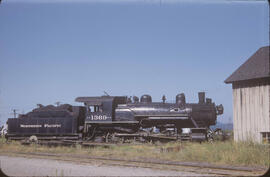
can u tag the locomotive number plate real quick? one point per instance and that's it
(98, 117)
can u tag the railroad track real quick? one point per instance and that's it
(203, 168)
(72, 143)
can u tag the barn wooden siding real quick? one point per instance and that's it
(251, 105)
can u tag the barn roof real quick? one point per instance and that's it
(257, 66)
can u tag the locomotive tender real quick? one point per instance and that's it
(114, 118)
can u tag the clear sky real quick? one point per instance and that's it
(55, 51)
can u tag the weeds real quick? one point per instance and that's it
(227, 152)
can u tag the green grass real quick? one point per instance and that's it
(227, 152)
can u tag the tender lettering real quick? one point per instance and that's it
(39, 126)
(30, 126)
(52, 125)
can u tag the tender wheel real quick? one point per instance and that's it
(33, 139)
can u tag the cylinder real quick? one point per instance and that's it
(201, 97)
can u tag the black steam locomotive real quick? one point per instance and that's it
(118, 118)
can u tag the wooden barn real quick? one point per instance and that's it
(251, 98)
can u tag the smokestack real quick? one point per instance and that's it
(201, 97)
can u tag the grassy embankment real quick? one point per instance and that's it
(221, 153)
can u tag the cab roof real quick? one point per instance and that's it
(94, 100)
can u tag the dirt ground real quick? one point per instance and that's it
(22, 166)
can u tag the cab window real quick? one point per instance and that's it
(94, 108)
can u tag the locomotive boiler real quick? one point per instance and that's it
(118, 118)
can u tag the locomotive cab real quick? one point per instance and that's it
(101, 109)
(97, 108)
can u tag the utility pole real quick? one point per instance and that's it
(14, 112)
